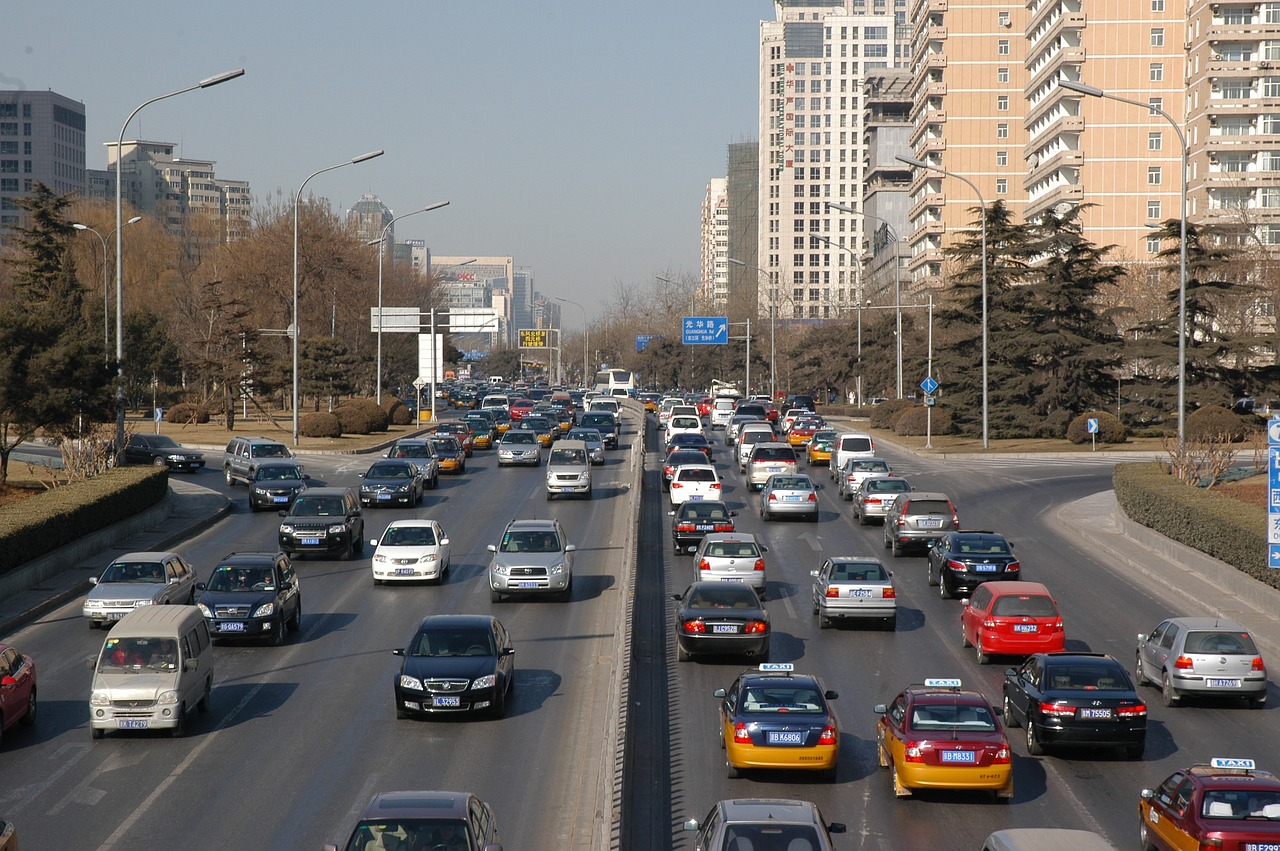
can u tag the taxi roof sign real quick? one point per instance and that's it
(777, 667)
(939, 682)
(1228, 762)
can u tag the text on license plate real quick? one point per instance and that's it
(234, 626)
(1095, 713)
(860, 593)
(279, 499)
(930, 522)
(1218, 683)
(984, 568)
(724, 627)
(1025, 627)
(1262, 846)
(958, 756)
(132, 723)
(526, 585)
(310, 542)
(406, 571)
(446, 701)
(384, 496)
(776, 737)
(704, 527)
(787, 497)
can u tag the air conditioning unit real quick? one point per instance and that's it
(1264, 64)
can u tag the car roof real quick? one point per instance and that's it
(446, 621)
(411, 522)
(1018, 588)
(757, 677)
(735, 537)
(782, 810)
(533, 523)
(249, 558)
(330, 491)
(1209, 623)
(279, 462)
(387, 805)
(146, 555)
(921, 693)
(933, 495)
(696, 466)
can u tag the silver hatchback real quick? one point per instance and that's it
(731, 557)
(1201, 656)
(789, 496)
(767, 459)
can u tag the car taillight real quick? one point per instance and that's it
(1056, 626)
(740, 736)
(668, 471)
(704, 565)
(833, 593)
(676, 485)
(694, 626)
(1184, 663)
(813, 497)
(1057, 710)
(724, 527)
(715, 486)
(755, 627)
(828, 736)
(1002, 756)
(1012, 566)
(1210, 844)
(1257, 664)
(1138, 711)
(888, 593)
(952, 564)
(684, 527)
(912, 752)
(759, 564)
(773, 497)
(902, 520)
(989, 623)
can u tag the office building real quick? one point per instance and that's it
(742, 196)
(41, 141)
(713, 277)
(369, 216)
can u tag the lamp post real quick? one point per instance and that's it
(106, 298)
(773, 310)
(297, 199)
(857, 303)
(983, 220)
(381, 240)
(1091, 91)
(585, 337)
(897, 279)
(203, 84)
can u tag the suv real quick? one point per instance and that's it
(533, 557)
(325, 521)
(917, 519)
(569, 469)
(252, 595)
(604, 422)
(764, 819)
(241, 457)
(275, 484)
(768, 458)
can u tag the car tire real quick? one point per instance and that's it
(180, 729)
(1034, 746)
(96, 733)
(158, 462)
(499, 708)
(929, 580)
(764, 514)
(93, 624)
(964, 637)
(202, 705)
(231, 480)
(682, 655)
(891, 623)
(885, 540)
(550, 496)
(376, 581)
(1258, 702)
(29, 719)
(943, 593)
(1010, 720)
(1139, 679)
(862, 518)
(295, 622)
(732, 771)
(823, 622)
(401, 715)
(1168, 694)
(979, 654)
(494, 596)
(278, 633)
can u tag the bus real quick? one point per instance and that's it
(615, 382)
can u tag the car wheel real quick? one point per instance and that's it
(295, 622)
(93, 624)
(550, 496)
(979, 654)
(278, 633)
(862, 518)
(731, 771)
(885, 540)
(764, 514)
(494, 596)
(942, 589)
(1139, 678)
(158, 462)
(682, 655)
(891, 623)
(202, 705)
(1010, 720)
(929, 580)
(1258, 702)
(97, 733)
(964, 637)
(30, 717)
(1034, 747)
(401, 715)
(231, 480)
(898, 789)
(180, 729)
(499, 707)
(824, 622)
(377, 581)
(1144, 842)
(1168, 694)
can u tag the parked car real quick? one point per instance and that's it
(854, 588)
(161, 451)
(243, 454)
(276, 484)
(326, 521)
(138, 579)
(252, 595)
(915, 520)
(1188, 657)
(454, 664)
(18, 690)
(388, 482)
(410, 550)
(720, 619)
(961, 561)
(413, 820)
(789, 496)
(875, 496)
(1011, 619)
(693, 521)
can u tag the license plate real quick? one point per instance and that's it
(966, 757)
(279, 499)
(133, 724)
(310, 542)
(694, 497)
(405, 571)
(384, 496)
(790, 498)
(1262, 846)
(446, 701)
(704, 527)
(231, 627)
(1095, 713)
(115, 616)
(773, 469)
(985, 568)
(860, 593)
(566, 490)
(731, 579)
(784, 738)
(724, 627)
(1220, 683)
(526, 585)
(930, 522)
(1025, 627)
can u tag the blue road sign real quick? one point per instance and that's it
(643, 341)
(705, 330)
(1273, 557)
(1092, 425)
(1273, 431)
(929, 385)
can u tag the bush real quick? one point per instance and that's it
(1110, 429)
(882, 415)
(186, 413)
(378, 419)
(322, 424)
(1212, 421)
(397, 412)
(354, 419)
(915, 421)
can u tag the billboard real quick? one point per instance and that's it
(533, 338)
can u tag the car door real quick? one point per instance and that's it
(1162, 650)
(890, 730)
(173, 587)
(1024, 688)
(822, 582)
(502, 641)
(974, 613)
(287, 590)
(728, 706)
(16, 680)
(1149, 651)
(1162, 815)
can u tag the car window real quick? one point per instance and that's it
(1183, 797)
(1213, 641)
(887, 486)
(870, 466)
(704, 511)
(389, 471)
(409, 536)
(723, 595)
(773, 453)
(781, 698)
(530, 542)
(855, 444)
(952, 716)
(928, 506)
(317, 506)
(1086, 678)
(1022, 606)
(136, 572)
(519, 437)
(694, 474)
(454, 641)
(568, 456)
(853, 571)
(1240, 803)
(980, 598)
(732, 549)
(790, 483)
(230, 577)
(1170, 633)
(270, 450)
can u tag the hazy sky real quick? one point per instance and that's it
(577, 137)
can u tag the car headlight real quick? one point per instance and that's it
(484, 682)
(500, 569)
(204, 610)
(379, 558)
(174, 458)
(337, 529)
(93, 604)
(557, 569)
(167, 697)
(286, 529)
(259, 489)
(430, 557)
(405, 488)
(265, 610)
(407, 681)
(100, 698)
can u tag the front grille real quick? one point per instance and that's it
(404, 561)
(231, 611)
(445, 685)
(529, 571)
(132, 707)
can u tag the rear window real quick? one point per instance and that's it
(890, 486)
(774, 454)
(755, 436)
(1220, 642)
(693, 474)
(928, 506)
(705, 511)
(855, 444)
(855, 571)
(733, 549)
(1029, 606)
(871, 467)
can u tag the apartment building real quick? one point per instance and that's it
(41, 141)
(742, 195)
(713, 277)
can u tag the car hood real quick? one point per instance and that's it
(183, 453)
(245, 599)
(131, 685)
(280, 484)
(529, 559)
(566, 469)
(126, 590)
(412, 552)
(426, 667)
(374, 482)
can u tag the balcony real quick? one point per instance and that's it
(1068, 193)
(1038, 133)
(934, 200)
(932, 6)
(1050, 68)
(935, 144)
(932, 229)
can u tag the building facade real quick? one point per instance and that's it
(713, 278)
(41, 141)
(369, 216)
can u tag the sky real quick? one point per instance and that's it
(576, 137)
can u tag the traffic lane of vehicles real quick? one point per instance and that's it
(280, 701)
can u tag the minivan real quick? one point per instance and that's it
(156, 665)
(850, 444)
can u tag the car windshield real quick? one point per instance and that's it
(140, 572)
(696, 474)
(1226, 643)
(784, 836)
(537, 423)
(596, 420)
(410, 450)
(318, 506)
(568, 456)
(519, 437)
(722, 595)
(159, 441)
(409, 536)
(270, 450)
(135, 654)
(952, 716)
(773, 454)
(587, 435)
(857, 571)
(1024, 606)
(889, 486)
(448, 445)
(870, 467)
(442, 834)
(1085, 678)
(781, 698)
(1241, 804)
(229, 577)
(530, 542)
(980, 545)
(453, 641)
(732, 549)
(389, 471)
(271, 473)
(856, 444)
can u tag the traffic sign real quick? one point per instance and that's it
(643, 341)
(705, 330)
(533, 338)
(1273, 431)
(928, 385)
(1273, 560)
(1092, 425)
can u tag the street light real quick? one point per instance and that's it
(106, 298)
(203, 84)
(585, 333)
(983, 220)
(773, 309)
(1081, 88)
(381, 240)
(897, 280)
(858, 303)
(295, 329)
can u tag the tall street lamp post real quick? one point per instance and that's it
(382, 240)
(1081, 88)
(773, 312)
(106, 298)
(294, 329)
(203, 84)
(585, 338)
(983, 219)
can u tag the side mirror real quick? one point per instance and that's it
(190, 664)
(1142, 636)
(200, 586)
(733, 514)
(492, 548)
(836, 827)
(7, 680)
(879, 709)
(399, 651)
(306, 476)
(813, 573)
(444, 542)
(283, 513)
(764, 549)
(93, 580)
(831, 695)
(964, 601)
(373, 542)
(1011, 672)
(671, 514)
(691, 824)
(1147, 794)
(719, 693)
(570, 548)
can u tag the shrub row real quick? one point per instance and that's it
(322, 424)
(1225, 528)
(1110, 429)
(32, 527)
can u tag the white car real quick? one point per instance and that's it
(680, 423)
(693, 482)
(749, 435)
(410, 550)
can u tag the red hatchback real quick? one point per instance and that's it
(17, 689)
(519, 408)
(1012, 619)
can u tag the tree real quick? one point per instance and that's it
(326, 367)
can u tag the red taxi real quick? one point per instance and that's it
(1011, 618)
(1227, 804)
(519, 408)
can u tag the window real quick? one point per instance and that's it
(1153, 175)
(877, 51)
(1237, 15)
(10, 148)
(1002, 103)
(1157, 36)
(1155, 104)
(1157, 5)
(1002, 19)
(1235, 89)
(9, 166)
(1270, 87)
(1153, 210)
(1002, 131)
(1271, 50)
(1156, 72)
(9, 184)
(1002, 158)
(1002, 47)
(1234, 163)
(1002, 75)
(1155, 140)
(1271, 122)
(8, 110)
(1269, 161)
(1271, 13)
(1002, 186)
(1153, 245)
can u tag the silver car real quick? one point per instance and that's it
(789, 496)
(767, 459)
(139, 579)
(595, 443)
(568, 470)
(852, 587)
(854, 471)
(875, 495)
(731, 557)
(1201, 656)
(533, 557)
(519, 447)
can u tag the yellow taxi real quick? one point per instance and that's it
(483, 431)
(501, 421)
(460, 430)
(802, 431)
(650, 402)
(543, 428)
(452, 457)
(819, 448)
(941, 736)
(772, 717)
(1228, 803)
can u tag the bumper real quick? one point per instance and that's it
(919, 776)
(338, 543)
(266, 500)
(105, 616)
(820, 758)
(960, 584)
(141, 718)
(241, 627)
(185, 466)
(369, 500)
(1023, 645)
(724, 645)
(407, 572)
(450, 465)
(507, 459)
(1199, 685)
(1092, 735)
(530, 584)
(916, 540)
(431, 703)
(792, 509)
(848, 610)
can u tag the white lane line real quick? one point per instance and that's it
(23, 795)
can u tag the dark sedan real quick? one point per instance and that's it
(690, 440)
(161, 451)
(679, 458)
(388, 482)
(961, 561)
(691, 521)
(721, 619)
(1075, 699)
(276, 484)
(456, 663)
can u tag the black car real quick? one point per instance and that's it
(678, 458)
(276, 484)
(161, 451)
(1075, 699)
(604, 422)
(389, 482)
(431, 821)
(721, 618)
(961, 561)
(692, 520)
(252, 595)
(325, 521)
(690, 440)
(456, 663)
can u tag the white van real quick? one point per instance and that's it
(722, 411)
(156, 665)
(850, 444)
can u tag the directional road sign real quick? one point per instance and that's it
(1273, 431)
(1092, 425)
(705, 330)
(929, 385)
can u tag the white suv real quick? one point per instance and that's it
(850, 444)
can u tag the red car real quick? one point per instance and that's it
(1011, 618)
(704, 406)
(17, 689)
(460, 430)
(519, 408)
(1225, 804)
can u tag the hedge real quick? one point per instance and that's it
(320, 424)
(1211, 422)
(1110, 429)
(917, 421)
(185, 413)
(378, 419)
(36, 526)
(1215, 524)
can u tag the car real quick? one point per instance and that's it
(650, 402)
(704, 404)
(939, 735)
(455, 664)
(1201, 657)
(748, 436)
(423, 820)
(544, 429)
(772, 717)
(519, 408)
(915, 520)
(421, 452)
(388, 482)
(501, 420)
(453, 458)
(694, 482)
(1227, 803)
(484, 430)
(568, 470)
(1075, 699)
(18, 690)
(326, 521)
(252, 595)
(802, 431)
(961, 561)
(721, 411)
(731, 557)
(791, 416)
(410, 550)
(720, 619)
(606, 423)
(519, 447)
(818, 449)
(1011, 619)
(681, 423)
(690, 440)
(161, 451)
(759, 823)
(875, 496)
(8, 836)
(759, 408)
(460, 430)
(850, 476)
(735, 424)
(692, 521)
(851, 444)
(766, 459)
(593, 440)
(533, 557)
(789, 496)
(243, 454)
(275, 484)
(607, 404)
(854, 588)
(678, 458)
(138, 579)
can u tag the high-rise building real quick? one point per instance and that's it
(886, 191)
(713, 280)
(480, 289)
(369, 216)
(41, 140)
(742, 195)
